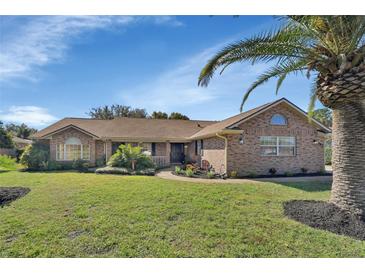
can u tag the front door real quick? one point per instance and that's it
(177, 153)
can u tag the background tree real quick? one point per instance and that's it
(324, 116)
(113, 111)
(332, 48)
(5, 138)
(21, 131)
(159, 115)
(138, 113)
(178, 116)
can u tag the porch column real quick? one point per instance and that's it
(168, 151)
(108, 149)
(92, 152)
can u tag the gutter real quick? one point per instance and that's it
(223, 131)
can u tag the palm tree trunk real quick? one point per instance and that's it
(348, 156)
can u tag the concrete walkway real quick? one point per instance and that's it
(166, 174)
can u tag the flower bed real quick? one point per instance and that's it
(193, 171)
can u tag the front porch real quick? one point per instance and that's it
(163, 154)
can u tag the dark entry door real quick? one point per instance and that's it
(177, 153)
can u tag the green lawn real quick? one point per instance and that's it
(87, 215)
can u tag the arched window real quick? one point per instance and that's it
(72, 149)
(278, 120)
(73, 141)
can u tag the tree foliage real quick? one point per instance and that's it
(35, 156)
(114, 111)
(324, 116)
(159, 115)
(323, 45)
(130, 157)
(178, 116)
(5, 138)
(21, 131)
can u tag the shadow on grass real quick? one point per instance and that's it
(307, 186)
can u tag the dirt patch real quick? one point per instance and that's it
(325, 216)
(9, 194)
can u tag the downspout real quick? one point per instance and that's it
(225, 149)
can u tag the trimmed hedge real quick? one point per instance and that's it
(125, 171)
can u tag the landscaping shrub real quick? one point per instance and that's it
(211, 174)
(80, 165)
(124, 171)
(112, 170)
(35, 157)
(192, 167)
(18, 153)
(189, 172)
(130, 157)
(233, 174)
(53, 165)
(100, 162)
(272, 171)
(178, 170)
(288, 174)
(7, 162)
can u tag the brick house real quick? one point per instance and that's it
(276, 135)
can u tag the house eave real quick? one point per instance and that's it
(145, 139)
(220, 132)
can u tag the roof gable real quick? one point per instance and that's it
(232, 122)
(291, 105)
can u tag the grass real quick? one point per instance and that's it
(86, 215)
(7, 163)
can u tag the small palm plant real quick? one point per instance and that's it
(332, 49)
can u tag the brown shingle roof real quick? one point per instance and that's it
(158, 129)
(225, 124)
(130, 128)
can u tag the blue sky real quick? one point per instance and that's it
(53, 67)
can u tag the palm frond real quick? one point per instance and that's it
(312, 99)
(274, 72)
(284, 43)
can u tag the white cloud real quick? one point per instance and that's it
(30, 115)
(177, 87)
(43, 40)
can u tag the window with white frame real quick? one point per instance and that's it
(72, 149)
(277, 145)
(278, 120)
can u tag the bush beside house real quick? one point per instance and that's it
(128, 160)
(7, 163)
(35, 157)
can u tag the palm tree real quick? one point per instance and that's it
(331, 48)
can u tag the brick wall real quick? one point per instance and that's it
(214, 152)
(61, 137)
(190, 153)
(246, 158)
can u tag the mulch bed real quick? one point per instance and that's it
(325, 216)
(9, 194)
